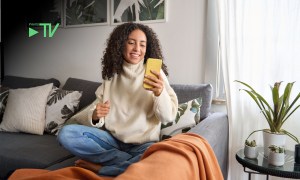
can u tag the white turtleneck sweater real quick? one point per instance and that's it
(135, 114)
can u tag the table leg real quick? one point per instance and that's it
(254, 172)
(250, 173)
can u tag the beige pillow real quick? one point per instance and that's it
(25, 110)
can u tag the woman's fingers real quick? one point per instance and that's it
(156, 83)
(102, 109)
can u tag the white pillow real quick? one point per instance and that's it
(188, 115)
(61, 105)
(25, 110)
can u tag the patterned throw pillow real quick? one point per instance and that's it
(61, 105)
(3, 100)
(188, 115)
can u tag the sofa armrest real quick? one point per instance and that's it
(215, 130)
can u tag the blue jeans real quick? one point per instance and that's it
(99, 146)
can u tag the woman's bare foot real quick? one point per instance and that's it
(88, 165)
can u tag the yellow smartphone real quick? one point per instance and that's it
(152, 64)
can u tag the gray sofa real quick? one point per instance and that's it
(21, 150)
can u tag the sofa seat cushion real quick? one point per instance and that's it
(21, 150)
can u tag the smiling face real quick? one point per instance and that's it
(135, 47)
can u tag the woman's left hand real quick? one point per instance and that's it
(157, 83)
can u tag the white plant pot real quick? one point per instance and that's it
(272, 139)
(250, 152)
(276, 159)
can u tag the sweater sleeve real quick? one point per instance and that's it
(92, 107)
(84, 117)
(166, 104)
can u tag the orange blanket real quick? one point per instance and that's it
(182, 157)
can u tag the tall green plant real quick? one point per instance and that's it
(277, 115)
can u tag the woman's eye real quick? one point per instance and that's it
(130, 42)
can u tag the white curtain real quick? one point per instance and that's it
(259, 44)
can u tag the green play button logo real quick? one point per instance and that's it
(47, 29)
(32, 32)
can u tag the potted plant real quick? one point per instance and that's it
(275, 115)
(250, 150)
(297, 154)
(276, 155)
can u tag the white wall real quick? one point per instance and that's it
(76, 52)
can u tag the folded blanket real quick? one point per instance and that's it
(183, 157)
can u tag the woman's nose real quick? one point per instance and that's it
(136, 47)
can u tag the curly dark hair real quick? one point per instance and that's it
(112, 59)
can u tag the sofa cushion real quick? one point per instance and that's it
(25, 110)
(188, 115)
(189, 92)
(88, 89)
(21, 150)
(61, 105)
(15, 82)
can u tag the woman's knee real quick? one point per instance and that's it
(67, 132)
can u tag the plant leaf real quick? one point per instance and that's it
(275, 93)
(289, 108)
(290, 135)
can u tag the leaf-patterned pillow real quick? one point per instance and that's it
(3, 100)
(61, 105)
(188, 115)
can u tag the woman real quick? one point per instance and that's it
(125, 118)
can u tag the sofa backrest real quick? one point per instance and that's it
(88, 89)
(14, 82)
(184, 93)
(188, 92)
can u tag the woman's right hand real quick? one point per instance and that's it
(102, 109)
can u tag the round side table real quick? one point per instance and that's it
(260, 165)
